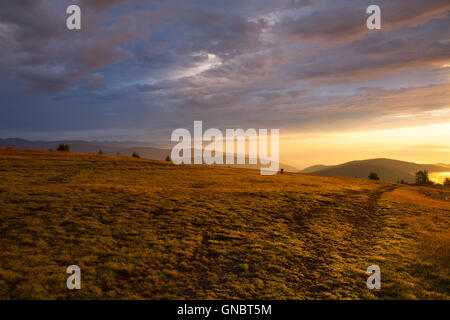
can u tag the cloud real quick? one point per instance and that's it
(297, 65)
(378, 55)
(99, 5)
(174, 35)
(225, 35)
(38, 48)
(346, 19)
(95, 82)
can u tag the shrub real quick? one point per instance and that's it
(168, 159)
(447, 182)
(373, 176)
(135, 155)
(63, 147)
(100, 151)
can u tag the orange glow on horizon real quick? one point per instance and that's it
(420, 144)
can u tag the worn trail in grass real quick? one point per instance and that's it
(149, 229)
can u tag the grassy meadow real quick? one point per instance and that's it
(144, 229)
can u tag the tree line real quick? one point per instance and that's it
(422, 178)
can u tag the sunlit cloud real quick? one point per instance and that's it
(209, 61)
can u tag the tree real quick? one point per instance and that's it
(373, 176)
(422, 177)
(168, 159)
(135, 155)
(447, 182)
(100, 151)
(63, 147)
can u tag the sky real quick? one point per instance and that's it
(138, 69)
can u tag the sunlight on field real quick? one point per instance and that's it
(439, 177)
(420, 197)
(148, 229)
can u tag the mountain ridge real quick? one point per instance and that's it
(387, 169)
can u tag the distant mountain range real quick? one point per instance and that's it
(387, 169)
(124, 148)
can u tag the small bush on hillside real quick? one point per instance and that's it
(373, 176)
(63, 147)
(135, 155)
(168, 159)
(100, 151)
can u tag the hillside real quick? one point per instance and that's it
(124, 148)
(387, 169)
(313, 169)
(149, 230)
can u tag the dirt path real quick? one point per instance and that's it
(366, 221)
(371, 205)
(359, 224)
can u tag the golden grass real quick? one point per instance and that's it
(148, 229)
(417, 196)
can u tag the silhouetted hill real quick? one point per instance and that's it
(387, 169)
(314, 168)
